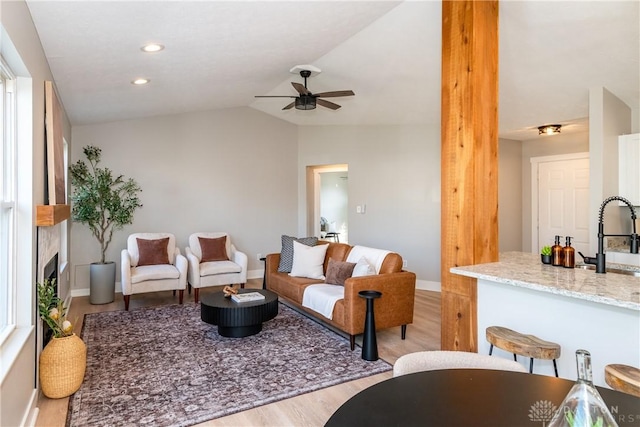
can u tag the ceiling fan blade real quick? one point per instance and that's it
(327, 104)
(290, 106)
(275, 96)
(335, 93)
(300, 88)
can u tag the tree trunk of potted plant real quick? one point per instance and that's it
(104, 203)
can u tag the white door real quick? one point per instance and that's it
(563, 203)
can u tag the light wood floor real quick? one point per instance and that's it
(311, 409)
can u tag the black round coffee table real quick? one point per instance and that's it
(237, 320)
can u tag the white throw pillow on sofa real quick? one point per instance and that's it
(363, 268)
(308, 261)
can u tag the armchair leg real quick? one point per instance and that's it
(181, 293)
(352, 342)
(126, 302)
(174, 292)
(241, 285)
(196, 294)
(404, 331)
(189, 285)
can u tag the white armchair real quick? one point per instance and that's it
(151, 263)
(214, 261)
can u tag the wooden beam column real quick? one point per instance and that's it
(469, 132)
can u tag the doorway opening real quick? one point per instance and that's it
(327, 202)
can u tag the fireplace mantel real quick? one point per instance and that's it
(48, 215)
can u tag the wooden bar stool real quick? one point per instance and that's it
(523, 345)
(623, 378)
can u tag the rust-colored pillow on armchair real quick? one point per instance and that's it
(152, 252)
(213, 249)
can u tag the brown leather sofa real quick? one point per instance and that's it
(393, 308)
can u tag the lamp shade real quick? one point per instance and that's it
(305, 102)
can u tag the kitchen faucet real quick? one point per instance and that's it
(599, 260)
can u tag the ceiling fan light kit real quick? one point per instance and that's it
(306, 100)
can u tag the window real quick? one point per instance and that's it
(7, 200)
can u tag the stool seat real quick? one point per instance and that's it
(623, 378)
(523, 345)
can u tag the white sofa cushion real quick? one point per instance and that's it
(154, 272)
(218, 267)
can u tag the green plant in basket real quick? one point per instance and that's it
(52, 310)
(546, 250)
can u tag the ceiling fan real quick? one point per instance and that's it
(306, 100)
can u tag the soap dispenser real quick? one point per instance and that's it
(569, 254)
(557, 253)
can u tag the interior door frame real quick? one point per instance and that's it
(313, 194)
(535, 163)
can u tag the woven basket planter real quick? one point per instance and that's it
(62, 365)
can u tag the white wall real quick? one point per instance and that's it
(609, 117)
(231, 170)
(395, 171)
(509, 195)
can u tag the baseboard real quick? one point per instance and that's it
(84, 292)
(255, 274)
(31, 416)
(426, 285)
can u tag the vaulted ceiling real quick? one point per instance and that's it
(220, 54)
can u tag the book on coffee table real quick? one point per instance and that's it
(248, 297)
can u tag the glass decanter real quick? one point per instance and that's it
(583, 406)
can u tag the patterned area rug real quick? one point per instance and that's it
(163, 366)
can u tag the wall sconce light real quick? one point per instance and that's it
(549, 129)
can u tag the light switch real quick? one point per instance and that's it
(358, 209)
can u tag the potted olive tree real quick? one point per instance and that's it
(104, 203)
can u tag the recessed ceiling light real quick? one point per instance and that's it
(140, 81)
(152, 47)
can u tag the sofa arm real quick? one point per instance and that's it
(271, 264)
(242, 260)
(193, 272)
(182, 265)
(393, 308)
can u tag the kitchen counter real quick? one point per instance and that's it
(525, 270)
(576, 308)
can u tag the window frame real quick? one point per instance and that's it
(8, 192)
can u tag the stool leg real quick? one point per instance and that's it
(490, 349)
(531, 366)
(555, 367)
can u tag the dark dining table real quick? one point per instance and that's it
(470, 398)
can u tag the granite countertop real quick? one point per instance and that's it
(525, 270)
